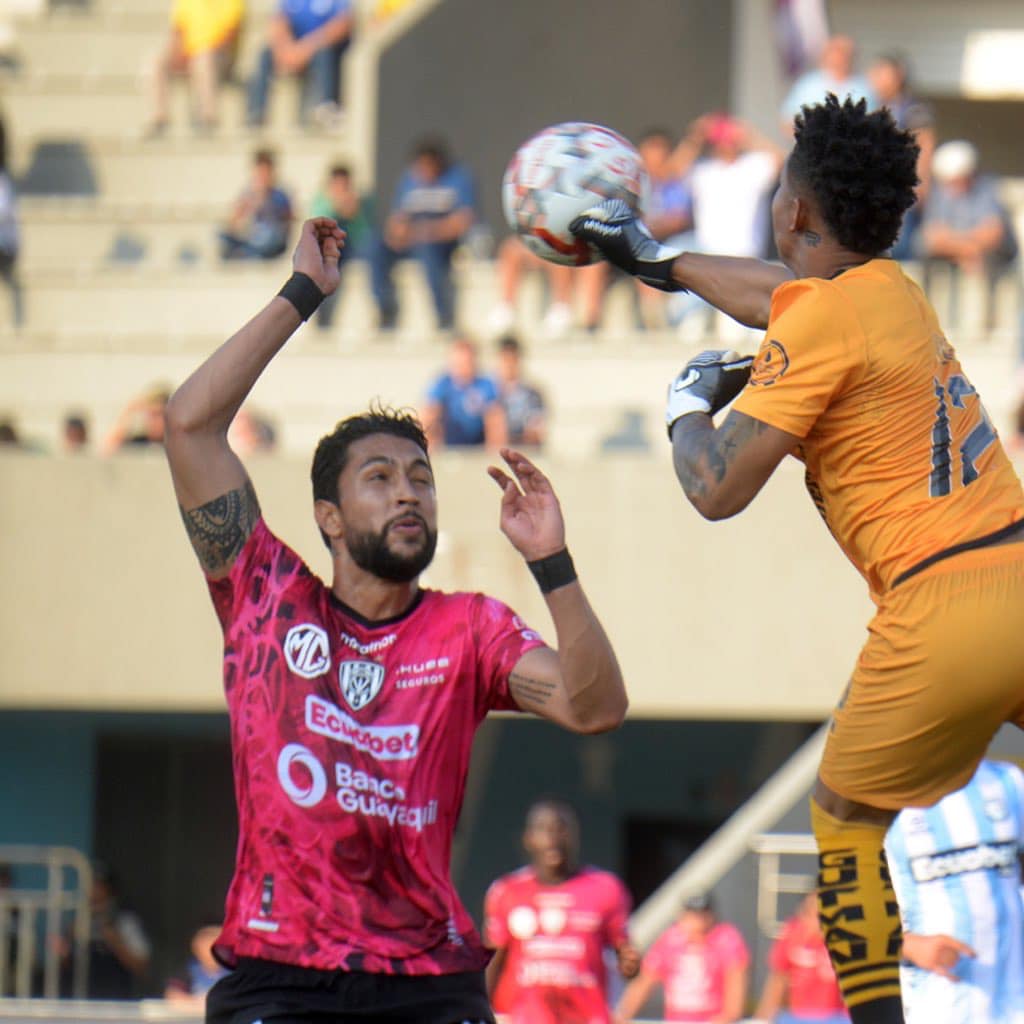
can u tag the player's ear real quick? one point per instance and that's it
(799, 215)
(328, 518)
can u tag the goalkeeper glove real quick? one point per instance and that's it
(623, 239)
(708, 383)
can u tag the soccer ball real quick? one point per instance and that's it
(558, 174)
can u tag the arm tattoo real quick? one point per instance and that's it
(702, 455)
(219, 529)
(526, 690)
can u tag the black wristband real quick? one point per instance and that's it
(554, 571)
(302, 292)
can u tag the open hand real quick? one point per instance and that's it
(531, 517)
(936, 953)
(318, 252)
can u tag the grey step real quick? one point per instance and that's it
(211, 171)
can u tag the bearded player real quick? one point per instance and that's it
(855, 378)
(550, 924)
(353, 706)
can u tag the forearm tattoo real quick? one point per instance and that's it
(702, 455)
(219, 529)
(529, 691)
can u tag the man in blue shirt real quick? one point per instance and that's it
(462, 409)
(305, 37)
(432, 211)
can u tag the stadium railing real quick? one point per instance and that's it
(49, 905)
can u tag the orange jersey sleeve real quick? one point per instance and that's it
(902, 461)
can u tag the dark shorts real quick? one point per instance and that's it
(261, 990)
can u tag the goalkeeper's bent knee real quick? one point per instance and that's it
(859, 916)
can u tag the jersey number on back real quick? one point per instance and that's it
(979, 435)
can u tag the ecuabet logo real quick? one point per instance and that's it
(307, 650)
(360, 682)
(771, 363)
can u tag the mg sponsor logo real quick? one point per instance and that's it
(382, 742)
(307, 650)
(360, 682)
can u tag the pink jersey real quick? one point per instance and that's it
(556, 936)
(351, 744)
(800, 955)
(693, 975)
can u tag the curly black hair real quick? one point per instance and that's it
(331, 455)
(860, 168)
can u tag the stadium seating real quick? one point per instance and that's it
(120, 264)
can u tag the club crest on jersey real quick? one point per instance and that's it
(360, 682)
(307, 650)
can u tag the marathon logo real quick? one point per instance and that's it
(372, 647)
(383, 742)
(1001, 857)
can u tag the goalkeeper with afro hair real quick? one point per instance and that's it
(855, 378)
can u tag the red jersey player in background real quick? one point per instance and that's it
(702, 965)
(550, 923)
(353, 705)
(800, 974)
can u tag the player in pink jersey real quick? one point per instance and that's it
(353, 705)
(701, 963)
(550, 923)
(801, 987)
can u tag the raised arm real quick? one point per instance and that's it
(720, 469)
(580, 685)
(217, 500)
(742, 288)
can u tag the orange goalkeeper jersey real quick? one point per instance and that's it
(902, 461)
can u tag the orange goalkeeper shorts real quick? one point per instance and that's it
(941, 671)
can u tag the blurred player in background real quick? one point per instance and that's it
(956, 869)
(353, 706)
(801, 986)
(701, 963)
(550, 923)
(856, 379)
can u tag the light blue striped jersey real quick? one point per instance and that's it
(956, 871)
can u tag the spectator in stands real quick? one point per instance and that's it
(522, 404)
(9, 436)
(74, 434)
(9, 235)
(354, 213)
(702, 966)
(732, 168)
(889, 76)
(801, 986)
(514, 260)
(119, 949)
(201, 972)
(251, 432)
(140, 423)
(669, 215)
(202, 43)
(308, 38)
(433, 210)
(966, 227)
(462, 408)
(261, 219)
(834, 73)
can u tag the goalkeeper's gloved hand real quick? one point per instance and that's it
(708, 383)
(623, 239)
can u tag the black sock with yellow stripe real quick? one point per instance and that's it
(859, 916)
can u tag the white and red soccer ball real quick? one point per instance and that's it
(561, 172)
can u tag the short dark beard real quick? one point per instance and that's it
(371, 553)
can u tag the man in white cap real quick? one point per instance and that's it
(965, 224)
